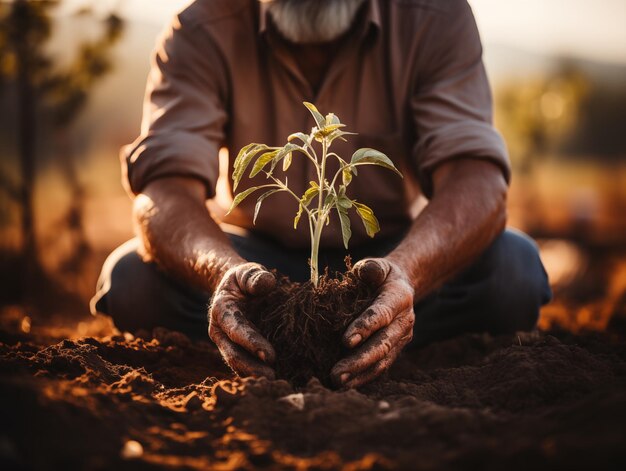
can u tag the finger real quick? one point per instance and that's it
(380, 346)
(372, 373)
(395, 299)
(233, 323)
(255, 280)
(373, 272)
(240, 361)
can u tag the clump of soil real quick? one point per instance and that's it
(305, 323)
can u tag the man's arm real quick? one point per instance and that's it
(179, 234)
(466, 213)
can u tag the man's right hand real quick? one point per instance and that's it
(242, 346)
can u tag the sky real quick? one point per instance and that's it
(592, 29)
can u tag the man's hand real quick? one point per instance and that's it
(383, 329)
(242, 346)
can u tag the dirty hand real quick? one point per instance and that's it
(242, 346)
(383, 329)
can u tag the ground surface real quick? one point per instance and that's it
(533, 401)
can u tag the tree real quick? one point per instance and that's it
(45, 94)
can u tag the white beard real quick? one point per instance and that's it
(313, 21)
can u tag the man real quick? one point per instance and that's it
(407, 75)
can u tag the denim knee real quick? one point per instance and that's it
(517, 285)
(138, 295)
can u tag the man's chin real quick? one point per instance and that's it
(313, 21)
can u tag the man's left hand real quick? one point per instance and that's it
(383, 329)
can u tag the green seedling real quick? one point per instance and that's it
(322, 196)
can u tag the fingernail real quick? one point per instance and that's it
(344, 378)
(261, 355)
(355, 340)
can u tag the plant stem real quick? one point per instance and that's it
(320, 220)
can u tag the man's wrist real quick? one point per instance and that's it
(212, 267)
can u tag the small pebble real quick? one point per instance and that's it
(383, 405)
(132, 449)
(296, 400)
(26, 324)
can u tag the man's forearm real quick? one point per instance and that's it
(466, 213)
(178, 233)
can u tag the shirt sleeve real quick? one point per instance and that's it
(184, 112)
(451, 103)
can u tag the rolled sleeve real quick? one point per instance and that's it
(184, 112)
(452, 103)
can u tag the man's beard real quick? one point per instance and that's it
(313, 21)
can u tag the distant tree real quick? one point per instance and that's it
(43, 91)
(536, 115)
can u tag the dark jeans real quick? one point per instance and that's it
(500, 293)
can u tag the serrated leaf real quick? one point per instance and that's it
(374, 157)
(346, 176)
(346, 232)
(242, 196)
(369, 220)
(319, 119)
(262, 162)
(257, 207)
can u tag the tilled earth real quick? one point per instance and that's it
(528, 401)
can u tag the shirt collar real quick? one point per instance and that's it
(372, 15)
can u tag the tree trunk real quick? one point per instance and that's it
(27, 133)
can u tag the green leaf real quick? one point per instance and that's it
(331, 118)
(298, 135)
(346, 232)
(344, 202)
(243, 152)
(287, 161)
(257, 207)
(319, 119)
(305, 201)
(342, 190)
(309, 194)
(243, 160)
(346, 176)
(284, 152)
(369, 220)
(296, 220)
(325, 131)
(242, 196)
(262, 162)
(375, 157)
(338, 134)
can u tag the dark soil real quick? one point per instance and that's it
(524, 402)
(305, 324)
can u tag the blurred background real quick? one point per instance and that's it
(72, 76)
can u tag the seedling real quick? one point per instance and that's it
(329, 195)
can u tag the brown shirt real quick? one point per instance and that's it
(409, 79)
